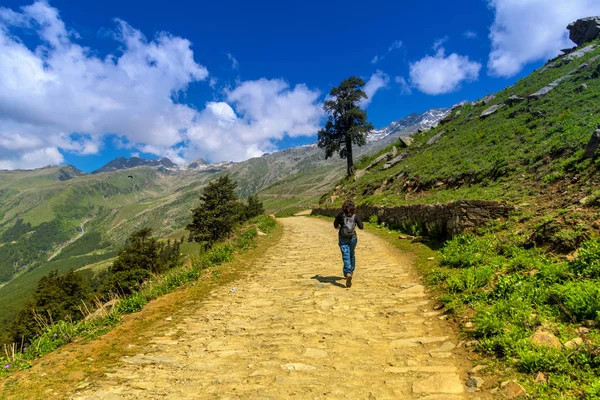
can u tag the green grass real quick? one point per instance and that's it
(63, 332)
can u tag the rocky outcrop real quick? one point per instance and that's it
(435, 138)
(394, 161)
(550, 87)
(593, 144)
(512, 100)
(485, 100)
(446, 219)
(491, 110)
(579, 53)
(584, 30)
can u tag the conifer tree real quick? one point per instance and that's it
(347, 124)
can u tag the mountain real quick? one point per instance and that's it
(410, 124)
(60, 218)
(126, 163)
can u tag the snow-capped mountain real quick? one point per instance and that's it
(410, 124)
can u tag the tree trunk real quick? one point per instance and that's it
(349, 159)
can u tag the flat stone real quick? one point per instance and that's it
(540, 378)
(475, 382)
(421, 368)
(491, 110)
(315, 353)
(441, 383)
(544, 338)
(574, 343)
(297, 367)
(476, 369)
(512, 390)
(445, 347)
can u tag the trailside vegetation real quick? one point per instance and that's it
(220, 211)
(347, 124)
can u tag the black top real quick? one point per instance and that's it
(339, 221)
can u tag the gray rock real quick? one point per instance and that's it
(434, 139)
(394, 161)
(379, 159)
(491, 110)
(593, 144)
(485, 100)
(584, 30)
(394, 151)
(512, 100)
(550, 87)
(475, 381)
(579, 53)
(581, 88)
(406, 141)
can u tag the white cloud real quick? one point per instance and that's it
(61, 97)
(404, 86)
(377, 81)
(470, 35)
(526, 31)
(256, 113)
(396, 44)
(234, 63)
(441, 74)
(439, 43)
(376, 59)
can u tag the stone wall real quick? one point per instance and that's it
(434, 219)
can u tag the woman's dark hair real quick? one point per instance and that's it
(348, 207)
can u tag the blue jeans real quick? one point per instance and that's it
(347, 246)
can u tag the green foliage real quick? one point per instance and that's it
(581, 300)
(219, 212)
(254, 208)
(347, 124)
(218, 254)
(57, 298)
(587, 264)
(265, 223)
(142, 256)
(470, 279)
(467, 250)
(543, 358)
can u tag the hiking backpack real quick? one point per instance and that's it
(348, 227)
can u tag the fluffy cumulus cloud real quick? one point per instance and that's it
(255, 114)
(377, 81)
(526, 31)
(59, 96)
(441, 74)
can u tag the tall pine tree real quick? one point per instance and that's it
(218, 213)
(347, 124)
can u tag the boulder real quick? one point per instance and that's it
(512, 100)
(491, 110)
(379, 159)
(359, 174)
(593, 144)
(485, 100)
(579, 53)
(446, 119)
(406, 141)
(435, 138)
(394, 151)
(584, 30)
(545, 338)
(394, 161)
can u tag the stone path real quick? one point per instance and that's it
(292, 329)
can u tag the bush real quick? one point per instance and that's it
(546, 359)
(580, 299)
(587, 264)
(219, 212)
(470, 279)
(467, 250)
(219, 254)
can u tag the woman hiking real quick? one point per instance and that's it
(346, 223)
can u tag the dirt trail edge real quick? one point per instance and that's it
(291, 328)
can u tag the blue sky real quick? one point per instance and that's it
(85, 82)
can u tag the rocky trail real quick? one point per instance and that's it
(291, 329)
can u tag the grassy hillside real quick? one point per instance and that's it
(525, 291)
(518, 152)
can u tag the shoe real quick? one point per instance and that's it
(348, 279)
